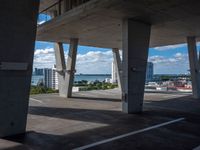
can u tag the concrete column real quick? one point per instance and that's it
(136, 36)
(59, 7)
(60, 68)
(71, 63)
(66, 5)
(17, 39)
(194, 66)
(118, 66)
(60, 64)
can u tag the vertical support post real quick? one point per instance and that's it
(60, 64)
(59, 7)
(60, 68)
(199, 58)
(71, 63)
(17, 38)
(136, 36)
(66, 5)
(194, 66)
(70, 4)
(118, 66)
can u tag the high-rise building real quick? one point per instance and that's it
(149, 72)
(54, 78)
(37, 77)
(114, 73)
(48, 77)
(51, 78)
(39, 71)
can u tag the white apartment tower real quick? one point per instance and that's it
(114, 73)
(51, 78)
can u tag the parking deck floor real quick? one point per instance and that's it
(94, 120)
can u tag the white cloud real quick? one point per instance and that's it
(44, 51)
(178, 63)
(91, 62)
(44, 58)
(100, 61)
(164, 48)
(178, 55)
(181, 57)
(176, 58)
(156, 59)
(94, 62)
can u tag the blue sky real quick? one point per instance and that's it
(167, 60)
(171, 59)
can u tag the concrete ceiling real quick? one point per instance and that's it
(99, 22)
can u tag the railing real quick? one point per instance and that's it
(58, 8)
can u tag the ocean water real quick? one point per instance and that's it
(91, 77)
(37, 78)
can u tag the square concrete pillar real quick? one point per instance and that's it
(136, 36)
(194, 66)
(17, 39)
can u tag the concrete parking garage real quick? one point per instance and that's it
(95, 116)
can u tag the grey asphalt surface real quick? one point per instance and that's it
(56, 123)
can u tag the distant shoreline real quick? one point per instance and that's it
(92, 74)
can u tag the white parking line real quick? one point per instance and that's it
(33, 99)
(128, 134)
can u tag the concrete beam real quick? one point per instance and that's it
(194, 66)
(118, 66)
(136, 36)
(71, 63)
(17, 38)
